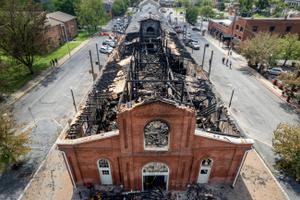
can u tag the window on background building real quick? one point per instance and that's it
(254, 28)
(288, 29)
(241, 29)
(240, 37)
(272, 28)
(156, 135)
(237, 27)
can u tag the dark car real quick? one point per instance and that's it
(196, 28)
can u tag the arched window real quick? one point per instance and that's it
(105, 172)
(205, 169)
(150, 30)
(156, 136)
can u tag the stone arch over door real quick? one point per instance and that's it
(154, 175)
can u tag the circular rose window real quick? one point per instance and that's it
(156, 135)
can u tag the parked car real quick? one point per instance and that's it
(275, 71)
(106, 49)
(104, 33)
(196, 28)
(110, 43)
(193, 45)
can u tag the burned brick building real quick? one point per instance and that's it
(153, 119)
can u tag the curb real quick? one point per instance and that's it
(273, 177)
(64, 129)
(37, 80)
(256, 75)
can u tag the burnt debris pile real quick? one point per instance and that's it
(100, 111)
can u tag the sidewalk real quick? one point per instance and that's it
(242, 63)
(36, 81)
(255, 182)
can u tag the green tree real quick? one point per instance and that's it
(262, 4)
(291, 80)
(91, 14)
(67, 6)
(286, 145)
(245, 7)
(207, 11)
(119, 7)
(263, 49)
(191, 15)
(21, 31)
(289, 48)
(12, 145)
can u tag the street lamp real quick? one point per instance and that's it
(66, 38)
(205, 46)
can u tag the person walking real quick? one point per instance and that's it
(230, 63)
(223, 60)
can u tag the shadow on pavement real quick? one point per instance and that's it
(51, 77)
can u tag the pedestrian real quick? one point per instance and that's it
(223, 60)
(52, 62)
(56, 62)
(230, 64)
(227, 62)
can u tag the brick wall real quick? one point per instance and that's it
(127, 156)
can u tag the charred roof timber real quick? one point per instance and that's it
(156, 66)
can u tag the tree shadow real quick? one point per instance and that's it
(14, 181)
(51, 77)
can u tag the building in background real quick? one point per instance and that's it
(60, 28)
(244, 28)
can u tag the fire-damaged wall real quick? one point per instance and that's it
(125, 150)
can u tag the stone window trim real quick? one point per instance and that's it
(166, 147)
(105, 159)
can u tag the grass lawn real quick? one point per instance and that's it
(180, 9)
(14, 77)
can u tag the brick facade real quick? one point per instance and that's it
(125, 151)
(245, 28)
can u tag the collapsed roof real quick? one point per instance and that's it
(153, 65)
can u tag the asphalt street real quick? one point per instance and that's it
(45, 110)
(256, 109)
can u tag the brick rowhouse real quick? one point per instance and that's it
(152, 119)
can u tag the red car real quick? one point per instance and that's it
(104, 33)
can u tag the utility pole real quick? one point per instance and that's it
(73, 98)
(205, 46)
(98, 57)
(92, 67)
(232, 93)
(34, 121)
(210, 62)
(232, 29)
(66, 38)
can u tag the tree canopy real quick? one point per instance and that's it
(21, 31)
(207, 11)
(12, 145)
(263, 48)
(286, 145)
(191, 15)
(67, 6)
(119, 7)
(289, 48)
(91, 14)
